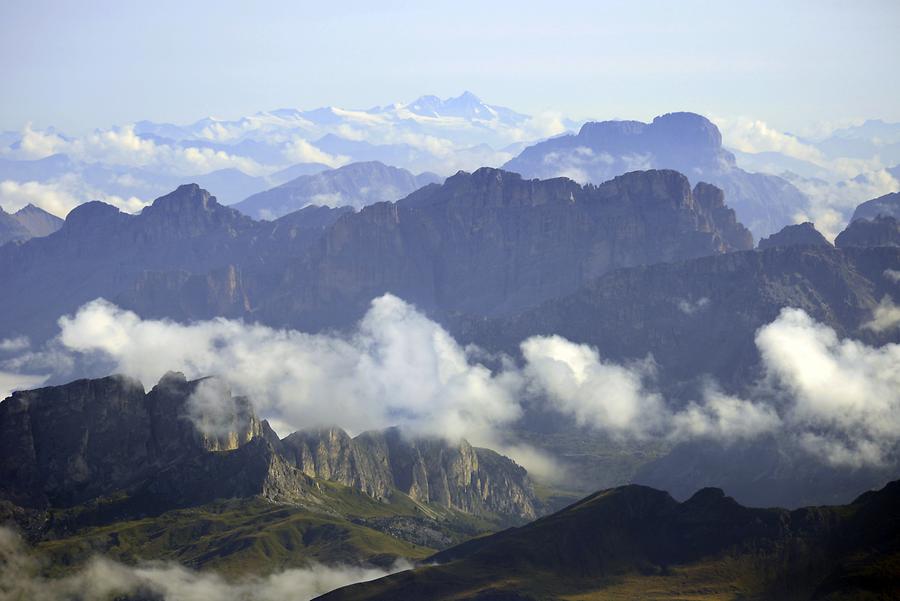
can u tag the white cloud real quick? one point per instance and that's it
(397, 368)
(839, 185)
(892, 274)
(603, 395)
(885, 317)
(754, 135)
(724, 417)
(400, 368)
(841, 391)
(831, 204)
(690, 307)
(299, 150)
(122, 146)
(20, 343)
(102, 578)
(60, 196)
(10, 382)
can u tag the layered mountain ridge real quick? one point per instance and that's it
(188, 257)
(686, 142)
(355, 185)
(90, 439)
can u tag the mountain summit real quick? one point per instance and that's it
(685, 142)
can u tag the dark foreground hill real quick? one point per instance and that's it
(635, 542)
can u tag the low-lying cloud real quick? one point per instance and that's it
(102, 578)
(839, 398)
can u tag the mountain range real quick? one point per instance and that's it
(188, 257)
(685, 142)
(642, 264)
(355, 185)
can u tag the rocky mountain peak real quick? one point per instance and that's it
(801, 234)
(37, 221)
(692, 129)
(91, 214)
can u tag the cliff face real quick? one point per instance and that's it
(880, 231)
(530, 240)
(686, 142)
(187, 257)
(462, 477)
(65, 445)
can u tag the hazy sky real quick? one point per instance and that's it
(86, 64)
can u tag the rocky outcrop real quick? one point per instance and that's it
(66, 445)
(531, 240)
(686, 142)
(802, 234)
(355, 185)
(880, 231)
(887, 206)
(462, 477)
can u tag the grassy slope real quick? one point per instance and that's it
(240, 536)
(633, 544)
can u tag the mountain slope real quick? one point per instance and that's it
(26, 223)
(531, 240)
(698, 320)
(70, 444)
(188, 257)
(355, 185)
(636, 542)
(887, 205)
(685, 142)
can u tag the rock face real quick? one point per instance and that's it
(802, 234)
(880, 231)
(355, 185)
(531, 240)
(887, 205)
(658, 309)
(28, 222)
(188, 257)
(686, 142)
(184, 257)
(462, 477)
(66, 445)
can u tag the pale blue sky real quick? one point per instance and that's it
(80, 65)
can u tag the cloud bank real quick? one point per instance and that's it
(840, 399)
(102, 578)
